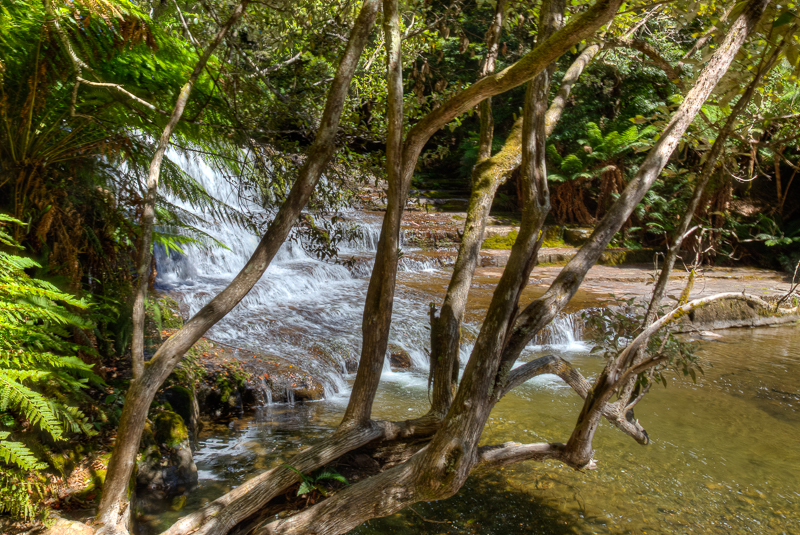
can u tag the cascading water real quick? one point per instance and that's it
(302, 302)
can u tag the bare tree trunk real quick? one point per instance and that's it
(579, 447)
(487, 67)
(149, 214)
(446, 325)
(377, 318)
(141, 391)
(382, 282)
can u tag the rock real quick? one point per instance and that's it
(183, 401)
(170, 429)
(399, 359)
(62, 526)
(577, 236)
(167, 464)
(730, 313)
(310, 390)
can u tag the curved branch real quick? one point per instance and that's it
(574, 378)
(544, 365)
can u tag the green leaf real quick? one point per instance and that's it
(785, 18)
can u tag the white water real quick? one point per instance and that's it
(302, 301)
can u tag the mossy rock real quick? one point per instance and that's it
(616, 257)
(170, 429)
(500, 242)
(171, 317)
(181, 399)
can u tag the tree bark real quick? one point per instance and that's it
(377, 319)
(487, 67)
(141, 391)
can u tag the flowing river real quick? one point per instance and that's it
(724, 457)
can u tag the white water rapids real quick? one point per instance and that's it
(301, 301)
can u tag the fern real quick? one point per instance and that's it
(40, 377)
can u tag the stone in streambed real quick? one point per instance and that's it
(399, 359)
(167, 463)
(577, 236)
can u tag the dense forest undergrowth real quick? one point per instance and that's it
(667, 126)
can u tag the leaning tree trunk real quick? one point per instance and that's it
(579, 447)
(709, 166)
(114, 502)
(141, 391)
(446, 324)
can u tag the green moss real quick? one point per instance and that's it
(170, 313)
(182, 400)
(170, 429)
(178, 502)
(500, 242)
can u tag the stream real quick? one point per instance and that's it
(724, 457)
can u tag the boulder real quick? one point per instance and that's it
(577, 236)
(309, 391)
(399, 359)
(167, 464)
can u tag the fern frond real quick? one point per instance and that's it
(18, 454)
(32, 405)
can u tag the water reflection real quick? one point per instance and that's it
(723, 459)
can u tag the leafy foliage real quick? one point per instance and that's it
(313, 482)
(615, 326)
(41, 378)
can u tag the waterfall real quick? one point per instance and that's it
(302, 302)
(562, 334)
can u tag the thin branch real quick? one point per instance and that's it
(674, 74)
